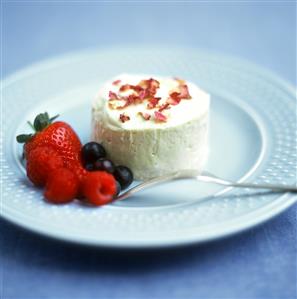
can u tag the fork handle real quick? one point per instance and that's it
(274, 187)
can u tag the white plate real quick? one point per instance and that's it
(252, 136)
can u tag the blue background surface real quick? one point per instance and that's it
(260, 263)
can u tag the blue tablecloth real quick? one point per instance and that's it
(260, 263)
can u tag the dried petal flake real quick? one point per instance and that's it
(160, 117)
(145, 116)
(116, 82)
(112, 96)
(184, 92)
(153, 102)
(124, 117)
(164, 106)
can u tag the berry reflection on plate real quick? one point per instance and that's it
(152, 125)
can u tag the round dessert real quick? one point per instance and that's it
(153, 125)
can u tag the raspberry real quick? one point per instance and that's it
(62, 186)
(99, 187)
(41, 162)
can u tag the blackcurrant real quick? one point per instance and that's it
(124, 176)
(104, 164)
(92, 151)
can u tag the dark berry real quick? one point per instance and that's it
(92, 151)
(119, 188)
(124, 176)
(104, 164)
(89, 166)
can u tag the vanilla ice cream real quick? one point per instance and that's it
(153, 125)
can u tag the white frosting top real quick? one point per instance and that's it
(185, 111)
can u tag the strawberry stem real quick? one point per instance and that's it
(41, 121)
(53, 118)
(30, 124)
(23, 138)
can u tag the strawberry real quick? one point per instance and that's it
(62, 186)
(57, 135)
(41, 162)
(78, 170)
(99, 187)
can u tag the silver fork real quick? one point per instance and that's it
(206, 177)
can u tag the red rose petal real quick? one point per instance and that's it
(184, 92)
(160, 117)
(116, 82)
(153, 102)
(151, 85)
(164, 107)
(145, 116)
(142, 94)
(112, 96)
(123, 117)
(137, 88)
(125, 87)
(174, 98)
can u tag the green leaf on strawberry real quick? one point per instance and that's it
(41, 121)
(23, 138)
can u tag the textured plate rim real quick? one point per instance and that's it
(236, 225)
